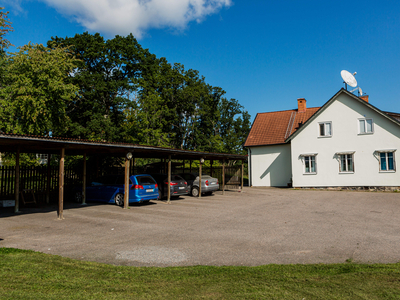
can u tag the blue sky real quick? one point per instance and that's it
(263, 53)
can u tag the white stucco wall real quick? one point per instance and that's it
(270, 165)
(344, 114)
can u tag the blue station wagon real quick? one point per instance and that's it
(111, 189)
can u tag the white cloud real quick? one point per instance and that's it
(125, 16)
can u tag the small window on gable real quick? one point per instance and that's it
(386, 161)
(325, 129)
(366, 126)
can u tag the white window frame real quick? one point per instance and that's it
(325, 126)
(309, 156)
(386, 152)
(346, 154)
(360, 120)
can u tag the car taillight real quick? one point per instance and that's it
(185, 183)
(156, 186)
(137, 187)
(217, 181)
(171, 183)
(206, 182)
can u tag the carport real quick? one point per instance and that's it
(65, 146)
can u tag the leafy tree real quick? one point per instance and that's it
(33, 94)
(5, 28)
(107, 76)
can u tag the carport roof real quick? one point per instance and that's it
(53, 145)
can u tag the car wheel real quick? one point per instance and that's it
(119, 199)
(78, 197)
(159, 194)
(195, 191)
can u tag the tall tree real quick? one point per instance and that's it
(107, 75)
(33, 94)
(5, 28)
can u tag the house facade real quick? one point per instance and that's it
(346, 142)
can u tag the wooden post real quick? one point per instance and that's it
(241, 185)
(48, 179)
(126, 192)
(190, 167)
(211, 167)
(61, 186)
(169, 180)
(16, 187)
(84, 180)
(223, 177)
(200, 165)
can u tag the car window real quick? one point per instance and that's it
(145, 180)
(121, 180)
(176, 178)
(106, 180)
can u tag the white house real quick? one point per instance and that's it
(346, 142)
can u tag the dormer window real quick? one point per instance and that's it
(325, 129)
(366, 126)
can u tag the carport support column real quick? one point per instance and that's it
(61, 186)
(16, 189)
(241, 183)
(48, 179)
(223, 177)
(84, 181)
(126, 192)
(200, 165)
(169, 180)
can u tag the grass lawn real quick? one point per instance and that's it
(33, 275)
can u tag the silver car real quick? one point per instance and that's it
(208, 184)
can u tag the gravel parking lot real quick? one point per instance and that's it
(254, 227)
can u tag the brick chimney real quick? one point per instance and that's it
(301, 105)
(365, 98)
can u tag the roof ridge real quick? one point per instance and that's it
(293, 110)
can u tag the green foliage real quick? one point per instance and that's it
(107, 76)
(5, 28)
(34, 94)
(34, 275)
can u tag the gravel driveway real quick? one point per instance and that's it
(254, 227)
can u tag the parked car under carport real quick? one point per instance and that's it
(110, 189)
(208, 184)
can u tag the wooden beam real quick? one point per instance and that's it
(16, 187)
(241, 185)
(61, 186)
(84, 180)
(223, 177)
(200, 165)
(126, 192)
(169, 180)
(48, 179)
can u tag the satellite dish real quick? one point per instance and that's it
(349, 78)
(360, 91)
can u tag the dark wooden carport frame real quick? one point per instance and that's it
(65, 146)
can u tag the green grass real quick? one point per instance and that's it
(33, 275)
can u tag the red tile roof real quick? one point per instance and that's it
(275, 127)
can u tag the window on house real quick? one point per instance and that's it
(325, 129)
(346, 162)
(309, 164)
(386, 161)
(366, 126)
